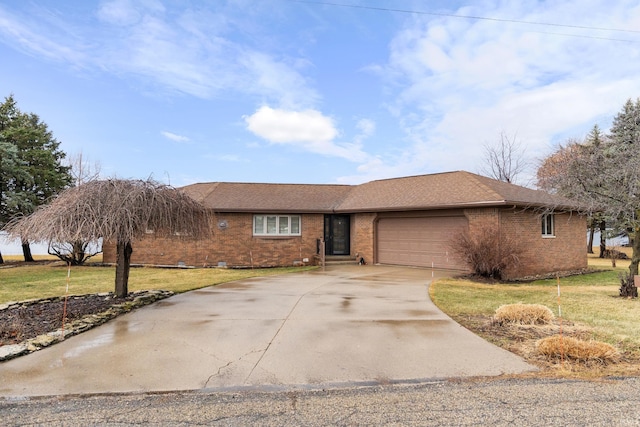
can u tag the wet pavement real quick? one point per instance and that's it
(343, 326)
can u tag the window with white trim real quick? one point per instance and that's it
(276, 225)
(548, 225)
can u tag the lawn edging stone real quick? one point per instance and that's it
(141, 298)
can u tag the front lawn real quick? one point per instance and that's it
(590, 305)
(48, 280)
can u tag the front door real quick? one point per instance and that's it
(336, 234)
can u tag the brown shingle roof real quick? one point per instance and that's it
(443, 190)
(252, 197)
(435, 191)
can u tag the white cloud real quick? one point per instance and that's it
(190, 54)
(462, 82)
(366, 127)
(277, 80)
(309, 130)
(22, 34)
(196, 52)
(118, 12)
(282, 126)
(174, 137)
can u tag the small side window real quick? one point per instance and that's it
(548, 225)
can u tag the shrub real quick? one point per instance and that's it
(487, 252)
(614, 254)
(627, 286)
(525, 314)
(577, 350)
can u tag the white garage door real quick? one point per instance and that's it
(419, 241)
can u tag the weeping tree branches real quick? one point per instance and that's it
(115, 210)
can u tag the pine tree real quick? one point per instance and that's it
(38, 172)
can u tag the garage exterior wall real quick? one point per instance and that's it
(566, 251)
(233, 246)
(563, 252)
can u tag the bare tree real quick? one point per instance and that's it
(74, 253)
(82, 169)
(77, 252)
(118, 211)
(579, 170)
(604, 175)
(505, 160)
(563, 172)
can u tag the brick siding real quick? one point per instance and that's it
(563, 252)
(235, 245)
(363, 236)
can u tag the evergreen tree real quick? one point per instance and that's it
(38, 172)
(624, 173)
(625, 130)
(11, 170)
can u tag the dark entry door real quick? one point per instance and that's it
(336, 234)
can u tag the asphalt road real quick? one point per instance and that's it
(481, 402)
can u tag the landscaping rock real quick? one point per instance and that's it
(28, 326)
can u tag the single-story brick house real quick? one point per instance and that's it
(402, 221)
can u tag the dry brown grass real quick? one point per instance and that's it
(591, 309)
(596, 262)
(524, 314)
(558, 347)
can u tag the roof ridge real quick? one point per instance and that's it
(478, 179)
(282, 183)
(408, 176)
(209, 187)
(213, 188)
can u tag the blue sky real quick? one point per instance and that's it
(303, 92)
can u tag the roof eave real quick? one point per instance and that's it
(427, 207)
(272, 211)
(539, 205)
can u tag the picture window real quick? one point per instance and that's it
(276, 225)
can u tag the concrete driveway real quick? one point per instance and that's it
(348, 324)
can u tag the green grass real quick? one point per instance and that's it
(44, 281)
(589, 300)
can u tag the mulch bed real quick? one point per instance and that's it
(26, 321)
